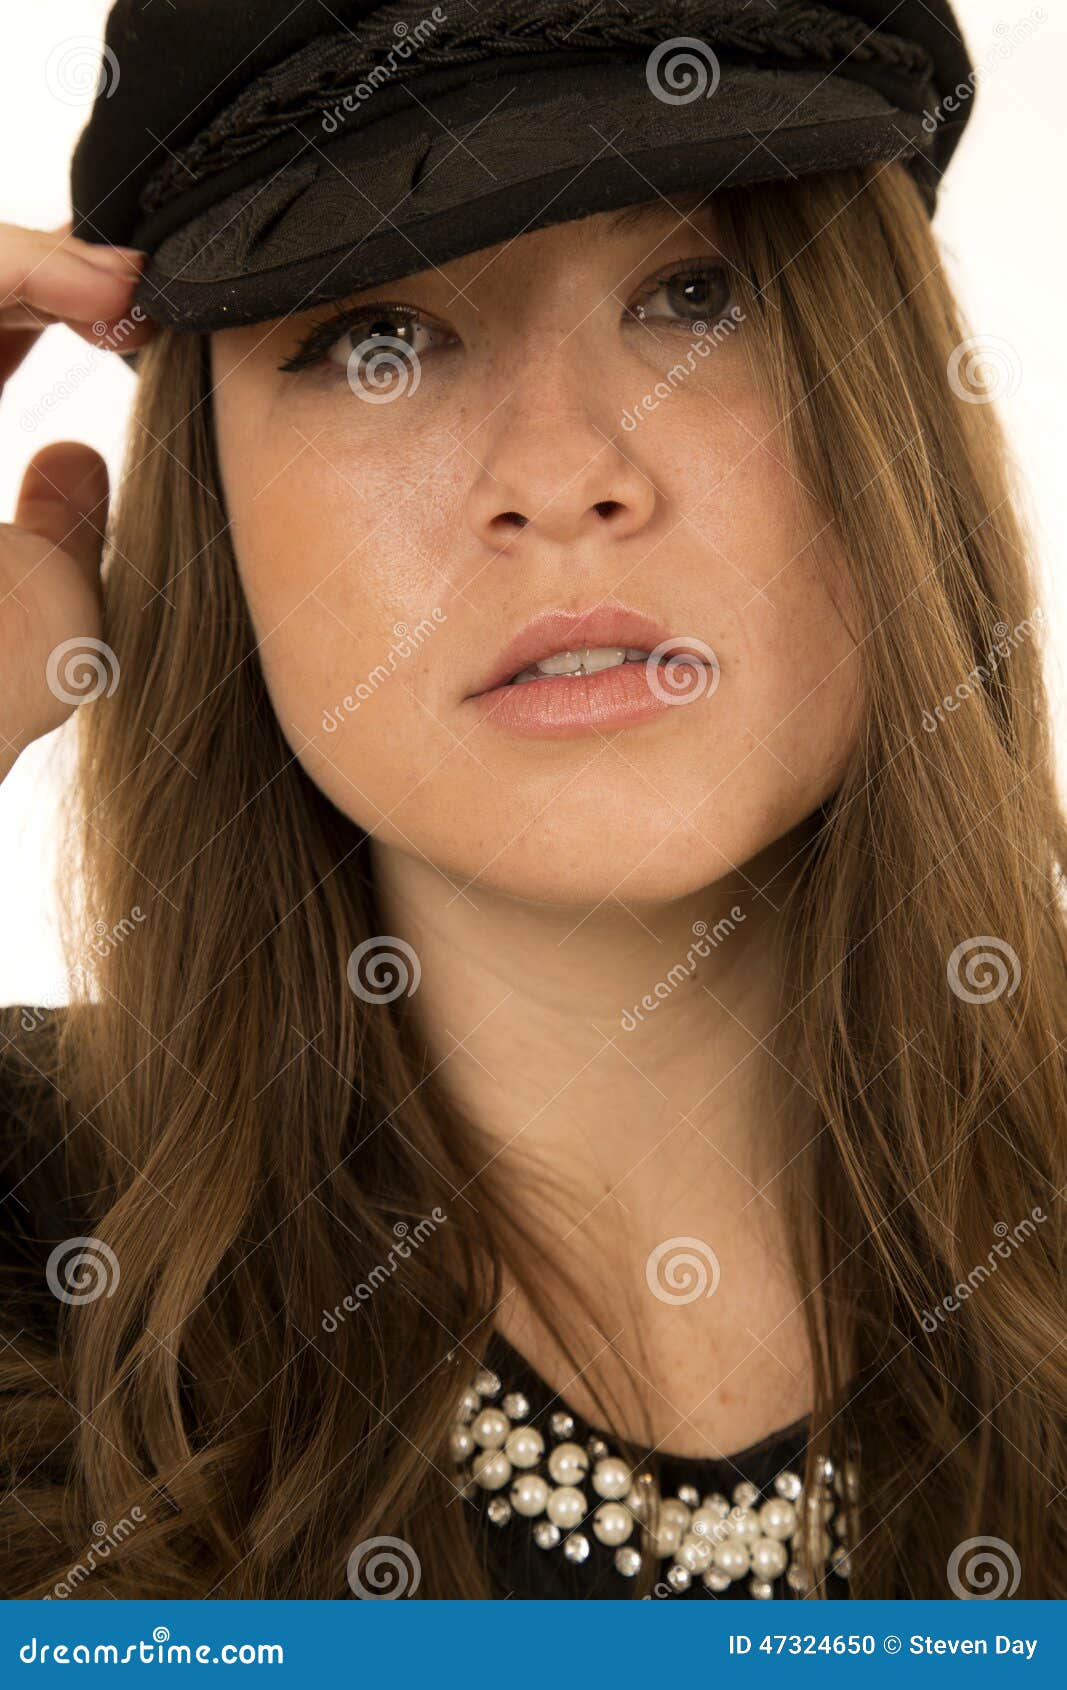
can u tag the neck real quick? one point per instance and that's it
(616, 1063)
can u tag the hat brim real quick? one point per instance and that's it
(496, 159)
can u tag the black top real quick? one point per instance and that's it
(519, 1568)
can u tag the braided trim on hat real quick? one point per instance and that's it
(332, 77)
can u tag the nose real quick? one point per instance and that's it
(549, 464)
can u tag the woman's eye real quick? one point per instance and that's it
(378, 346)
(693, 293)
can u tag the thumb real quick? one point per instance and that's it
(64, 499)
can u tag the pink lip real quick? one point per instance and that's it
(566, 706)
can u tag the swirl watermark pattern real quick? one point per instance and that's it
(681, 677)
(979, 969)
(682, 1270)
(81, 70)
(82, 1269)
(983, 1569)
(984, 369)
(384, 968)
(81, 670)
(381, 1569)
(681, 70)
(383, 368)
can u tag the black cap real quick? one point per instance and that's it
(269, 156)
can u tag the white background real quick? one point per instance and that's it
(1000, 219)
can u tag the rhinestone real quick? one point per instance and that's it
(597, 1448)
(546, 1535)
(689, 1495)
(679, 1578)
(760, 1589)
(628, 1561)
(576, 1547)
(515, 1406)
(716, 1580)
(486, 1383)
(824, 1470)
(499, 1511)
(561, 1425)
(745, 1494)
(788, 1485)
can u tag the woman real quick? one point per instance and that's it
(563, 1091)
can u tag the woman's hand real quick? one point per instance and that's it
(50, 554)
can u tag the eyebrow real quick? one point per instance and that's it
(631, 216)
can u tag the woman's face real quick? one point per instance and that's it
(554, 445)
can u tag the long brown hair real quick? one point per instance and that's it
(249, 1139)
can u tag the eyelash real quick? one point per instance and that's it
(320, 340)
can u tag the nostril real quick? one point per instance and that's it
(607, 507)
(514, 519)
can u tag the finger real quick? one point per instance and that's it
(64, 499)
(36, 272)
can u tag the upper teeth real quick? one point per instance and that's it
(586, 661)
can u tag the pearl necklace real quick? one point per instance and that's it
(704, 1536)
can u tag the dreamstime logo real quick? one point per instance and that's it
(383, 368)
(1009, 1240)
(408, 640)
(682, 1270)
(987, 964)
(681, 677)
(706, 340)
(82, 1269)
(1009, 37)
(380, 1569)
(408, 1238)
(681, 70)
(76, 73)
(1007, 641)
(384, 968)
(81, 670)
(106, 1538)
(984, 1569)
(683, 971)
(984, 369)
(408, 39)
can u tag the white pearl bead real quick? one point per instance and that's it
(708, 1523)
(568, 1464)
(491, 1468)
(611, 1478)
(566, 1506)
(529, 1494)
(778, 1518)
(769, 1557)
(490, 1428)
(731, 1558)
(524, 1446)
(612, 1524)
(671, 1509)
(469, 1403)
(666, 1538)
(746, 1526)
(694, 1553)
(461, 1443)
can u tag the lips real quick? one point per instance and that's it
(566, 630)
